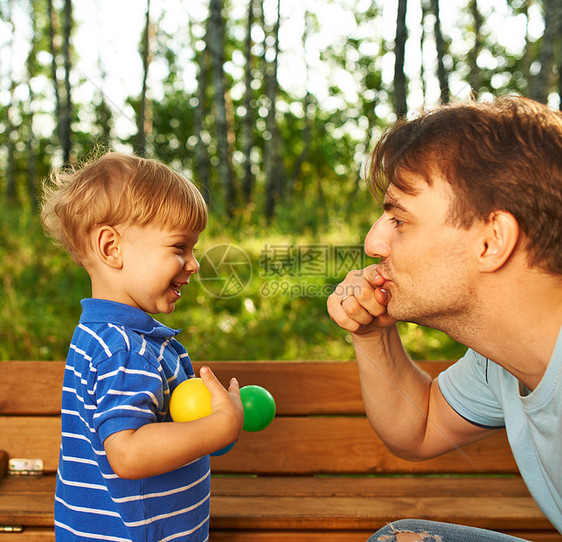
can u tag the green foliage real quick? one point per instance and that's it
(39, 293)
(323, 142)
(278, 315)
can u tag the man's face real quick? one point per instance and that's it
(425, 260)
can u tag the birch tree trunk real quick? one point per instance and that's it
(216, 44)
(30, 139)
(541, 85)
(104, 118)
(526, 60)
(63, 103)
(440, 46)
(307, 102)
(424, 11)
(66, 109)
(201, 151)
(400, 101)
(274, 171)
(10, 129)
(54, 74)
(140, 146)
(248, 120)
(474, 77)
(560, 86)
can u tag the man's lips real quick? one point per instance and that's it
(387, 281)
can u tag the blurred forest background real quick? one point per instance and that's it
(270, 106)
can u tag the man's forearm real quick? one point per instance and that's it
(395, 391)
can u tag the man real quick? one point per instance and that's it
(470, 244)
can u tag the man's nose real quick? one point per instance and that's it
(376, 242)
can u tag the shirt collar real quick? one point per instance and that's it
(104, 311)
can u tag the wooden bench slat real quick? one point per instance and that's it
(27, 508)
(47, 535)
(359, 513)
(368, 488)
(280, 486)
(348, 445)
(333, 512)
(303, 388)
(31, 387)
(298, 445)
(31, 534)
(300, 388)
(331, 503)
(23, 485)
(220, 535)
(33, 438)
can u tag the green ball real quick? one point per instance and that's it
(259, 408)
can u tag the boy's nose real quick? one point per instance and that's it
(376, 242)
(192, 265)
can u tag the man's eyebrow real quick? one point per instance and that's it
(390, 204)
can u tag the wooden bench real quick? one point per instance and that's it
(317, 473)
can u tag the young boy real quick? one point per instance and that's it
(127, 472)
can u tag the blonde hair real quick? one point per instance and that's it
(117, 189)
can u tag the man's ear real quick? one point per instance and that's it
(499, 238)
(107, 246)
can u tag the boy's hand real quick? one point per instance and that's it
(358, 303)
(156, 448)
(225, 401)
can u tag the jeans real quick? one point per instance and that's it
(433, 531)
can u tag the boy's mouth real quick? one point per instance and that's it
(176, 288)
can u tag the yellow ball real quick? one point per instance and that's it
(190, 400)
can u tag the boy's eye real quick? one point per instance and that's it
(396, 221)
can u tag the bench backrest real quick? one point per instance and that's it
(320, 427)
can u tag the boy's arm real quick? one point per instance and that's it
(157, 448)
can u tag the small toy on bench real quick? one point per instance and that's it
(259, 407)
(191, 400)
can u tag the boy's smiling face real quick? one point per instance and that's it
(156, 263)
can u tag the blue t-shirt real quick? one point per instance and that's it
(486, 394)
(121, 368)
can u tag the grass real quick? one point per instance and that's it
(261, 294)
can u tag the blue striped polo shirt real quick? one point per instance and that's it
(121, 369)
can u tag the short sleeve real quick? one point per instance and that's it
(129, 393)
(465, 387)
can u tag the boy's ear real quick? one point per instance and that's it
(108, 246)
(499, 238)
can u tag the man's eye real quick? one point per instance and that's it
(396, 222)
